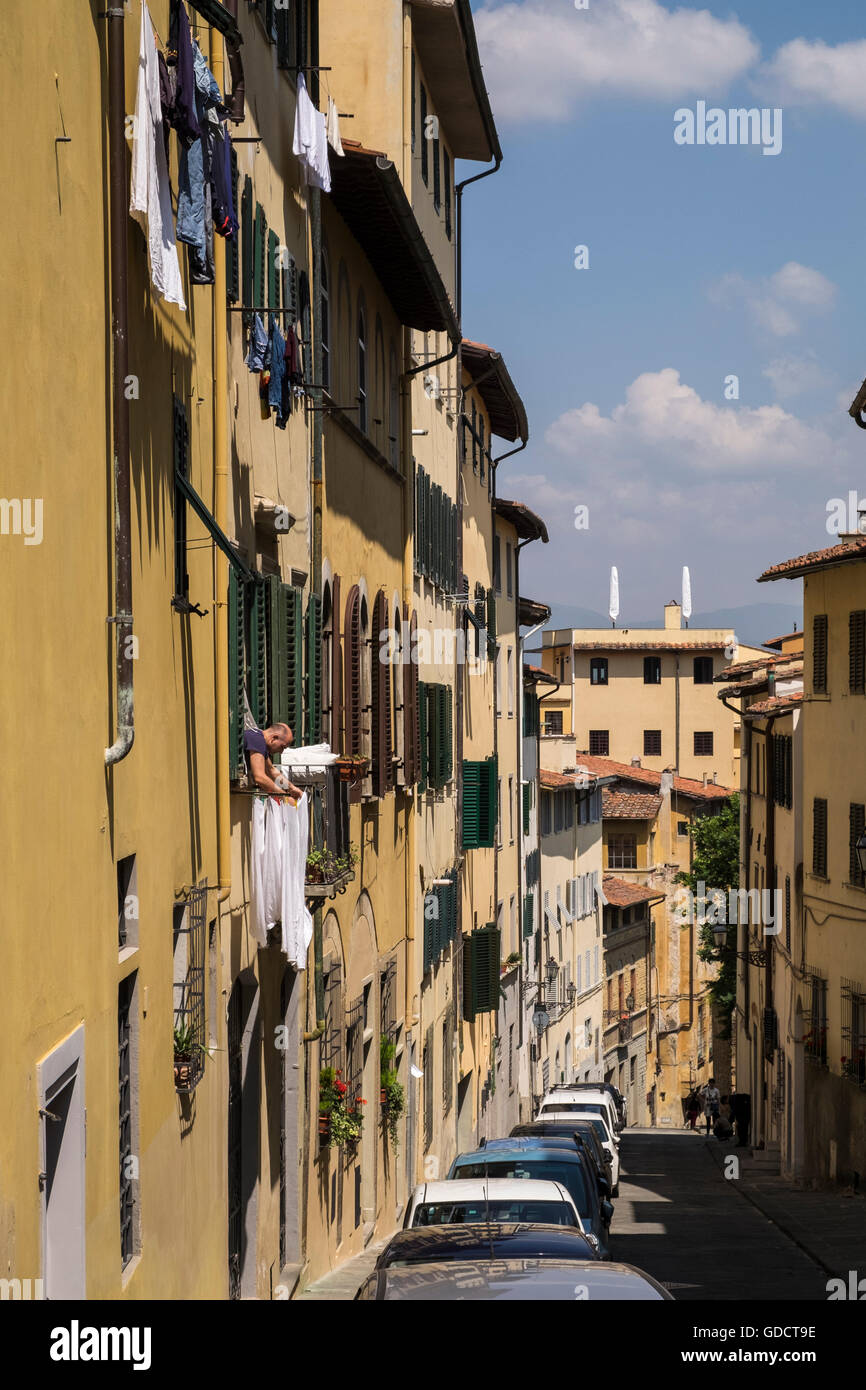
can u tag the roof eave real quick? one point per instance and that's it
(444, 33)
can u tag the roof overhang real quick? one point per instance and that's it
(830, 558)
(367, 192)
(533, 675)
(531, 611)
(500, 396)
(526, 523)
(444, 34)
(218, 16)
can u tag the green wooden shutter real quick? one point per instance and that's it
(313, 667)
(247, 242)
(527, 805)
(468, 980)
(431, 928)
(485, 950)
(491, 616)
(447, 735)
(237, 675)
(487, 802)
(278, 664)
(471, 838)
(259, 239)
(423, 757)
(527, 916)
(259, 655)
(234, 283)
(273, 271)
(294, 650)
(435, 734)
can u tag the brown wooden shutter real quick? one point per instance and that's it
(383, 765)
(352, 673)
(336, 670)
(410, 701)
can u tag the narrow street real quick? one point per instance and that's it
(682, 1221)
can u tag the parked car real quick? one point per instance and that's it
(531, 1280)
(601, 1125)
(482, 1200)
(498, 1240)
(615, 1094)
(523, 1160)
(574, 1099)
(572, 1143)
(582, 1129)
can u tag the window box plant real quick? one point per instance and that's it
(188, 1057)
(352, 768)
(391, 1094)
(343, 1120)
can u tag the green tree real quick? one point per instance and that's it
(716, 865)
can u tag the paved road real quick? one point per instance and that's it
(678, 1218)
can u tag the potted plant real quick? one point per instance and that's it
(391, 1094)
(186, 1053)
(352, 767)
(319, 863)
(340, 1122)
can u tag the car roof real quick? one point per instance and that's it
(526, 1146)
(575, 1093)
(511, 1240)
(470, 1189)
(565, 1118)
(483, 1280)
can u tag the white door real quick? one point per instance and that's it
(61, 1120)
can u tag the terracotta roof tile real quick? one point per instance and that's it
(617, 805)
(685, 786)
(816, 559)
(603, 645)
(554, 781)
(776, 705)
(623, 894)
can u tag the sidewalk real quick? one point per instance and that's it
(828, 1225)
(342, 1283)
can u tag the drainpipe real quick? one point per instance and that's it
(315, 253)
(118, 212)
(458, 223)
(746, 822)
(220, 496)
(677, 710)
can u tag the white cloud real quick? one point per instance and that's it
(542, 57)
(778, 302)
(810, 72)
(795, 376)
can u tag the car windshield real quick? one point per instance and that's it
(527, 1166)
(496, 1209)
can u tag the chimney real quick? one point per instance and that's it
(635, 762)
(705, 779)
(673, 615)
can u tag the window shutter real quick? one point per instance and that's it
(447, 736)
(278, 656)
(471, 837)
(313, 669)
(423, 736)
(491, 617)
(431, 929)
(234, 286)
(485, 948)
(857, 822)
(468, 986)
(410, 702)
(819, 653)
(336, 670)
(435, 736)
(527, 804)
(383, 767)
(273, 271)
(247, 242)
(819, 837)
(352, 672)
(527, 916)
(259, 238)
(294, 649)
(857, 652)
(258, 656)
(489, 808)
(237, 675)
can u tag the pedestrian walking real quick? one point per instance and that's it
(693, 1108)
(712, 1103)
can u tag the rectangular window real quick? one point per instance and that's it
(598, 670)
(446, 188)
(509, 581)
(703, 743)
(652, 670)
(481, 969)
(857, 652)
(437, 187)
(233, 284)
(436, 734)
(853, 1033)
(425, 143)
(622, 852)
(509, 672)
(819, 837)
(816, 1036)
(189, 932)
(497, 568)
(511, 812)
(857, 825)
(546, 813)
(652, 743)
(703, 670)
(819, 654)
(479, 804)
(553, 721)
(127, 902)
(599, 743)
(788, 911)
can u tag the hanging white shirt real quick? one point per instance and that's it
(310, 140)
(150, 191)
(333, 125)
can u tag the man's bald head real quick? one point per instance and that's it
(278, 737)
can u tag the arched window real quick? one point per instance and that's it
(381, 708)
(353, 697)
(362, 368)
(366, 682)
(326, 323)
(393, 450)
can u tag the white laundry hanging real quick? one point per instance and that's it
(333, 127)
(150, 191)
(310, 140)
(280, 840)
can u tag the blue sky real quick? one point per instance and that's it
(705, 261)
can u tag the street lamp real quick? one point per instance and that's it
(861, 852)
(720, 936)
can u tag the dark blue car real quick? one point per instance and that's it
(530, 1158)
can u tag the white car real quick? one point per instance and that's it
(564, 1098)
(474, 1200)
(602, 1127)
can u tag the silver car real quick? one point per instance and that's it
(526, 1280)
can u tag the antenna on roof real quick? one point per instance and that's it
(687, 594)
(613, 607)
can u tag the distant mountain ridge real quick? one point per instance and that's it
(752, 623)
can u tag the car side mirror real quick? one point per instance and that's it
(607, 1211)
(603, 1185)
